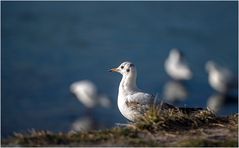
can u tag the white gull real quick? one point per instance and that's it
(132, 102)
(87, 93)
(176, 66)
(220, 78)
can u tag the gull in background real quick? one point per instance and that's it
(133, 102)
(87, 93)
(220, 78)
(176, 66)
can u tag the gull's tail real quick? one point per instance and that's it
(164, 105)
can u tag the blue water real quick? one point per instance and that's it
(48, 45)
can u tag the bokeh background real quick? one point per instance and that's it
(46, 46)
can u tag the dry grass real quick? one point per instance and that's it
(157, 127)
(174, 119)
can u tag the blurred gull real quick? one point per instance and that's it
(220, 78)
(87, 93)
(176, 67)
(132, 102)
(175, 91)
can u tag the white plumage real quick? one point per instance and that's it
(86, 92)
(132, 102)
(176, 66)
(220, 78)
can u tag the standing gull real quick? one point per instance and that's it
(220, 78)
(132, 102)
(87, 93)
(176, 67)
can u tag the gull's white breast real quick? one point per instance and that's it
(133, 104)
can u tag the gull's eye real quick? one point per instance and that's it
(127, 70)
(122, 67)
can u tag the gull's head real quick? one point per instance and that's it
(210, 65)
(176, 54)
(126, 69)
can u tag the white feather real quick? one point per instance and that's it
(176, 67)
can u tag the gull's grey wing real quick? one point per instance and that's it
(141, 98)
(137, 108)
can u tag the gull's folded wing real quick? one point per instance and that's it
(140, 98)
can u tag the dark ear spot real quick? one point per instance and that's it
(127, 70)
(131, 65)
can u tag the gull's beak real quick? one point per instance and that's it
(114, 70)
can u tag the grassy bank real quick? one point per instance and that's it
(155, 128)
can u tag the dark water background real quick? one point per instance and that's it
(48, 45)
